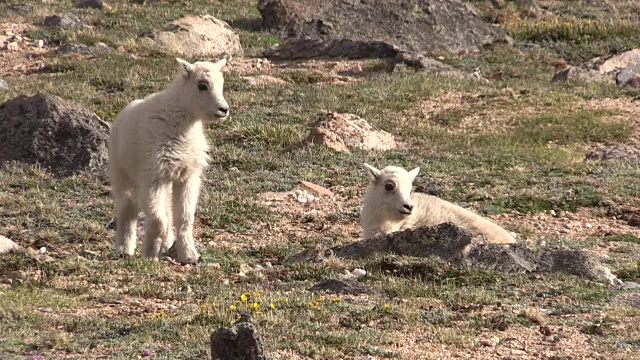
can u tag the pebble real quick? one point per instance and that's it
(492, 341)
(42, 250)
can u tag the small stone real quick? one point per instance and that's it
(358, 273)
(356, 70)
(319, 190)
(42, 250)
(3, 85)
(13, 46)
(234, 169)
(490, 342)
(65, 20)
(552, 212)
(38, 43)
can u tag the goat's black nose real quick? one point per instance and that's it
(224, 110)
(408, 207)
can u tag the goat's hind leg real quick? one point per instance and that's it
(126, 221)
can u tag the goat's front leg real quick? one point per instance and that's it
(157, 219)
(185, 199)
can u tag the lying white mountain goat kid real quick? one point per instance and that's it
(390, 206)
(157, 153)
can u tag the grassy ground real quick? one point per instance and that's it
(513, 149)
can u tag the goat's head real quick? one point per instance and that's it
(201, 86)
(391, 187)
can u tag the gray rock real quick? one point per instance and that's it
(348, 286)
(94, 50)
(623, 76)
(241, 341)
(420, 63)
(614, 152)
(573, 73)
(89, 4)
(374, 29)
(62, 137)
(3, 85)
(462, 248)
(65, 20)
(21, 8)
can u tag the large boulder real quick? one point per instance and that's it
(240, 341)
(198, 37)
(62, 137)
(374, 28)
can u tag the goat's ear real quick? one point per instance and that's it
(221, 63)
(413, 173)
(184, 67)
(372, 172)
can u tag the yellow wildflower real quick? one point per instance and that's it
(256, 305)
(233, 307)
(273, 306)
(387, 306)
(244, 297)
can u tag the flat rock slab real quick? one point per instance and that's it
(462, 248)
(62, 137)
(198, 37)
(375, 28)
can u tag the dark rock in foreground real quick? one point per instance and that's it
(62, 137)
(241, 341)
(462, 248)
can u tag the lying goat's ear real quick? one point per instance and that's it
(413, 173)
(221, 63)
(184, 67)
(372, 172)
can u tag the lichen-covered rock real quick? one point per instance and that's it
(340, 132)
(198, 36)
(60, 136)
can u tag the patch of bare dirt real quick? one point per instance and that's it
(585, 222)
(321, 72)
(18, 53)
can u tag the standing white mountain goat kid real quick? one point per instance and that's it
(390, 206)
(157, 154)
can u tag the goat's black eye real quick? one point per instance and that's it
(389, 186)
(203, 86)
